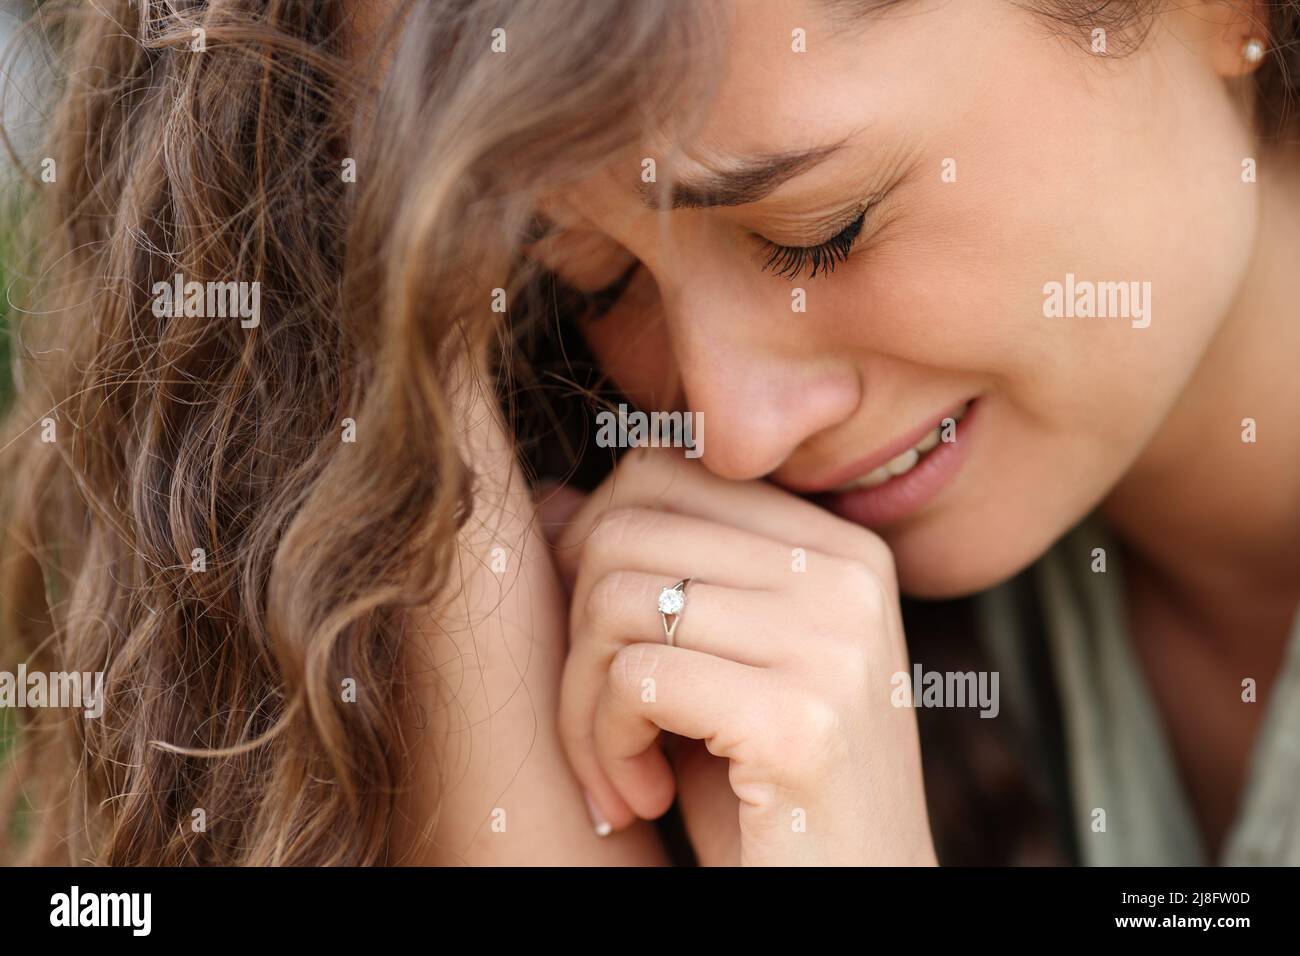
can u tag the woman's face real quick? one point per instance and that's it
(993, 156)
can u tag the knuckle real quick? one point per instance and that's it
(817, 720)
(804, 735)
(622, 527)
(609, 596)
(630, 666)
(876, 555)
(852, 665)
(863, 545)
(861, 587)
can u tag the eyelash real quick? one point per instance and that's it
(793, 260)
(601, 302)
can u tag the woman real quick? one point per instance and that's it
(944, 281)
(969, 173)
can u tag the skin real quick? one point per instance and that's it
(820, 767)
(491, 785)
(1114, 169)
(489, 782)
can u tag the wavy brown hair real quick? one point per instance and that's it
(222, 686)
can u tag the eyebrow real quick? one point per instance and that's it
(747, 182)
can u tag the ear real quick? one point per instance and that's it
(1232, 34)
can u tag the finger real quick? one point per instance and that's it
(665, 547)
(620, 610)
(676, 546)
(664, 480)
(652, 687)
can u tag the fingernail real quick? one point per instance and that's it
(603, 829)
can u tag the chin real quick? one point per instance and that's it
(938, 562)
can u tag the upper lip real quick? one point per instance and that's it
(864, 466)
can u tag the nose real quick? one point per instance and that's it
(763, 379)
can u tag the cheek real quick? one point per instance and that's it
(1071, 403)
(1131, 177)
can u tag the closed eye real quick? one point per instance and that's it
(601, 303)
(782, 260)
(791, 261)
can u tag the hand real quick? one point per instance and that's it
(782, 666)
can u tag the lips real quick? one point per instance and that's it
(908, 459)
(856, 474)
(904, 476)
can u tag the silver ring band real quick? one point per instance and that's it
(672, 601)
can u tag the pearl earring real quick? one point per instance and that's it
(1252, 51)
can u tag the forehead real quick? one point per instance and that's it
(788, 75)
(782, 67)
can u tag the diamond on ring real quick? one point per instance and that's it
(671, 602)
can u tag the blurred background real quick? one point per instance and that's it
(25, 78)
(23, 88)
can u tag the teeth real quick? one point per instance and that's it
(902, 464)
(928, 442)
(877, 477)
